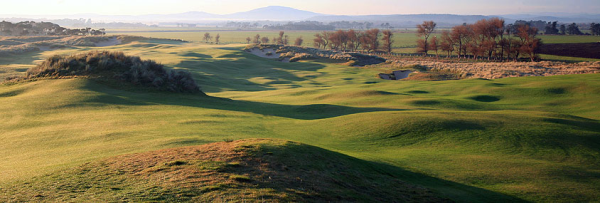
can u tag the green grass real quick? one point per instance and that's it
(531, 138)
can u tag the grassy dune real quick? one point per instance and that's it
(475, 140)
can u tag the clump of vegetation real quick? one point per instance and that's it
(435, 75)
(117, 65)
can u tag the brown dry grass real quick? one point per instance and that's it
(494, 70)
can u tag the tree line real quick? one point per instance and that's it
(27, 28)
(353, 40)
(282, 39)
(485, 38)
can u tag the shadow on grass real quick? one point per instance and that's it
(112, 96)
(240, 71)
(358, 176)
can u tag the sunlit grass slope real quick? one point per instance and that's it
(531, 138)
(254, 170)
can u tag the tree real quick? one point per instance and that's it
(595, 28)
(338, 40)
(264, 40)
(286, 40)
(530, 45)
(387, 40)
(207, 37)
(551, 28)
(280, 39)
(563, 29)
(325, 38)
(217, 38)
(353, 42)
(298, 41)
(318, 41)
(460, 37)
(248, 39)
(256, 39)
(447, 44)
(370, 40)
(425, 30)
(434, 45)
(573, 29)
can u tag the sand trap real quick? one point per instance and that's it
(396, 75)
(401, 74)
(110, 42)
(263, 53)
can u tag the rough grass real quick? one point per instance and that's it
(537, 138)
(488, 70)
(109, 65)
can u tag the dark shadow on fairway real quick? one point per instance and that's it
(237, 72)
(485, 98)
(455, 191)
(580, 123)
(198, 56)
(418, 92)
(313, 157)
(113, 96)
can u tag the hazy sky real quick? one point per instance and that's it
(341, 7)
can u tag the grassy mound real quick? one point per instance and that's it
(106, 64)
(295, 53)
(245, 170)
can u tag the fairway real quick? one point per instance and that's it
(474, 140)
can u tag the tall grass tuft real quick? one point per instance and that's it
(131, 69)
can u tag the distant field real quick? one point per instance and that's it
(404, 41)
(583, 50)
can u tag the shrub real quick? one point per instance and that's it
(126, 68)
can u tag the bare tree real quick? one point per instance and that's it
(387, 40)
(248, 39)
(298, 41)
(425, 30)
(530, 45)
(217, 38)
(264, 40)
(447, 44)
(207, 37)
(325, 38)
(372, 39)
(256, 39)
(434, 45)
(318, 41)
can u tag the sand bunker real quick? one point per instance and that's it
(396, 75)
(268, 53)
(110, 42)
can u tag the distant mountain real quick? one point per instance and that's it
(407, 20)
(192, 15)
(282, 14)
(560, 17)
(275, 13)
